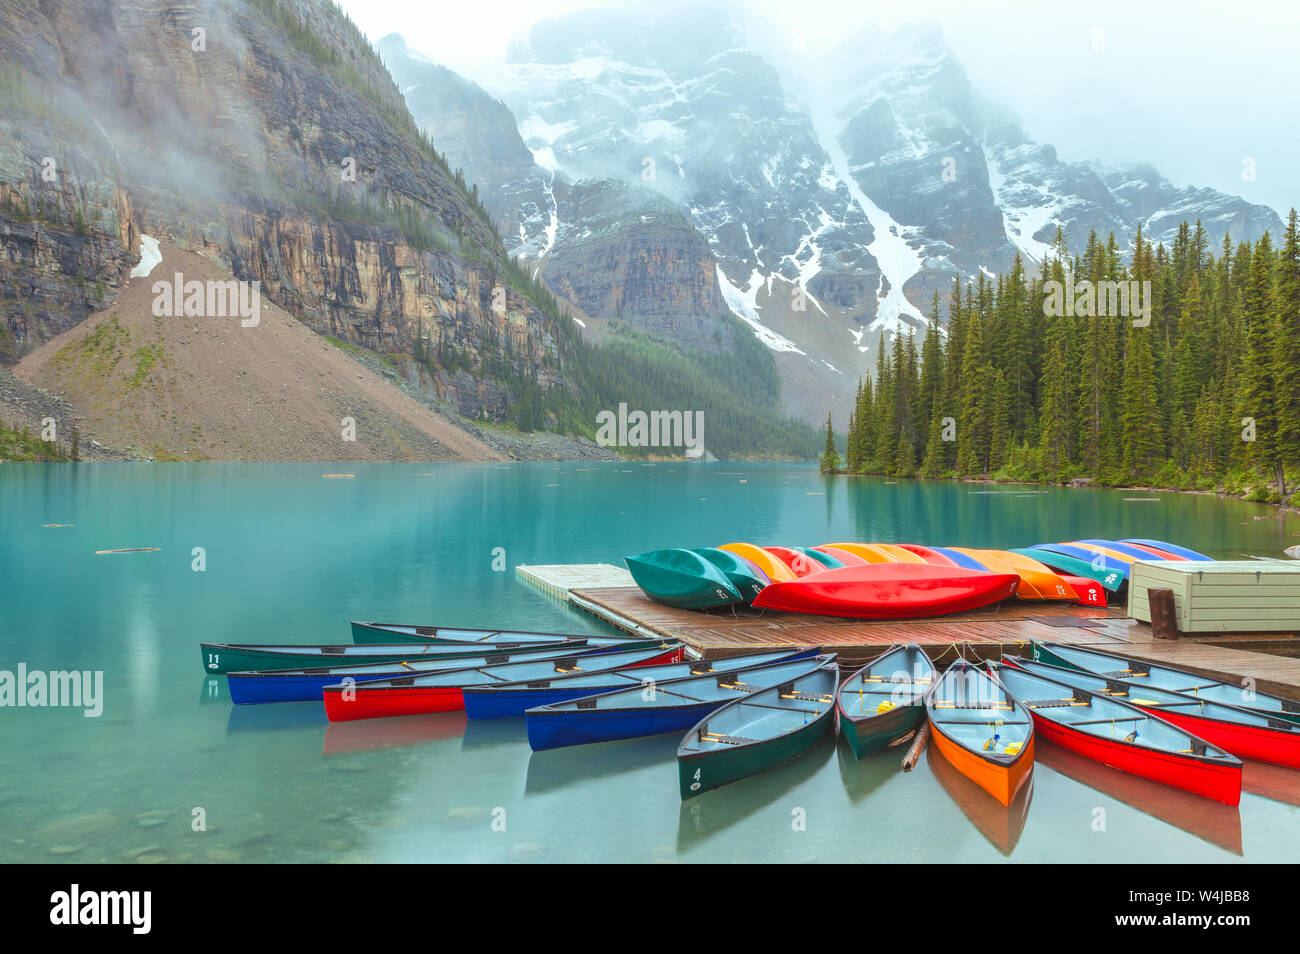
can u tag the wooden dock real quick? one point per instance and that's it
(981, 634)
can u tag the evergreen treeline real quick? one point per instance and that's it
(1019, 391)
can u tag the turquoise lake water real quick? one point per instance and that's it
(291, 557)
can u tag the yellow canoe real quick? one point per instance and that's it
(775, 569)
(1046, 580)
(1124, 558)
(900, 554)
(868, 552)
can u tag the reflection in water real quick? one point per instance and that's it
(717, 810)
(1275, 782)
(279, 715)
(1205, 818)
(1001, 824)
(555, 768)
(486, 733)
(861, 777)
(362, 735)
(213, 690)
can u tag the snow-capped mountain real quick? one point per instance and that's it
(830, 216)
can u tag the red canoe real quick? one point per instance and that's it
(889, 591)
(1090, 592)
(930, 554)
(802, 565)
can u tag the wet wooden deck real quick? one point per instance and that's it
(982, 634)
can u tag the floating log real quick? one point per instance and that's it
(917, 747)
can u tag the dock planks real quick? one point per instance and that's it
(982, 634)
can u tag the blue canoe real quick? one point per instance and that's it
(1173, 548)
(1135, 552)
(673, 706)
(961, 559)
(306, 685)
(1098, 560)
(512, 700)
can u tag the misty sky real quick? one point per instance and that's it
(1192, 86)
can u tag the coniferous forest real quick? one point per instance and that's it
(1205, 396)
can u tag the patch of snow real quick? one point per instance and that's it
(150, 257)
(409, 88)
(1023, 221)
(744, 305)
(579, 322)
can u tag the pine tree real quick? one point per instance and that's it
(1286, 351)
(830, 457)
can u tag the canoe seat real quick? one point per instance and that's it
(808, 697)
(725, 739)
(1053, 703)
(970, 705)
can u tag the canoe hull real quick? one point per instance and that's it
(698, 774)
(1243, 741)
(1002, 781)
(248, 689)
(556, 730)
(344, 704)
(889, 591)
(873, 733)
(1219, 782)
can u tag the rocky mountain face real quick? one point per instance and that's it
(268, 135)
(832, 213)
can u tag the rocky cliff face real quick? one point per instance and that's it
(627, 252)
(273, 139)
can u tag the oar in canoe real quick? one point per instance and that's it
(672, 706)
(235, 657)
(442, 691)
(1123, 736)
(882, 702)
(978, 727)
(367, 633)
(512, 700)
(1165, 677)
(1244, 733)
(758, 731)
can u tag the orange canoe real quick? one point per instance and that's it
(775, 569)
(986, 734)
(868, 552)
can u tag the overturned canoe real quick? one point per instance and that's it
(1123, 736)
(514, 699)
(882, 702)
(759, 731)
(1173, 548)
(1246, 734)
(774, 569)
(1098, 561)
(800, 563)
(677, 577)
(1037, 582)
(977, 726)
(672, 706)
(889, 591)
(441, 691)
(1112, 580)
(748, 579)
(1165, 677)
(236, 657)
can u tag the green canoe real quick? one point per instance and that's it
(681, 578)
(1112, 580)
(882, 702)
(370, 633)
(744, 576)
(759, 731)
(231, 657)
